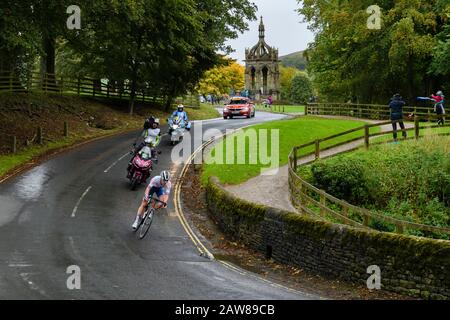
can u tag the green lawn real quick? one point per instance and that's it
(206, 111)
(9, 162)
(282, 108)
(291, 133)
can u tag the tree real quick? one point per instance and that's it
(301, 89)
(19, 41)
(223, 79)
(286, 77)
(163, 45)
(348, 60)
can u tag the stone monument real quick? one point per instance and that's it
(262, 74)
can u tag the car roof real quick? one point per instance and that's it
(240, 98)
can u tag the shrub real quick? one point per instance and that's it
(409, 181)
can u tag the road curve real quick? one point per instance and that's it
(77, 209)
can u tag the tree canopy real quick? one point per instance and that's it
(223, 79)
(162, 45)
(409, 54)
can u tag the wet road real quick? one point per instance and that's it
(77, 209)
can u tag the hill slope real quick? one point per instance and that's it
(295, 60)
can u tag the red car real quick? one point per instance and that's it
(239, 107)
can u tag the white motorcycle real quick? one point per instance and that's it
(176, 130)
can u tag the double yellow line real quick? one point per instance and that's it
(179, 211)
(199, 245)
(177, 195)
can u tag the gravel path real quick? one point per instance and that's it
(273, 190)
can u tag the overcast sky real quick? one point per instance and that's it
(284, 29)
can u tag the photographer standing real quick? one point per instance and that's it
(396, 105)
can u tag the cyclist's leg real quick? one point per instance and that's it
(164, 198)
(148, 194)
(161, 197)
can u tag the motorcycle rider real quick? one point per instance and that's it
(160, 185)
(182, 115)
(152, 138)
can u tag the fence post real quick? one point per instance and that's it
(366, 136)
(29, 82)
(366, 220)
(317, 149)
(345, 211)
(66, 129)
(306, 109)
(322, 202)
(14, 144)
(295, 159)
(416, 127)
(399, 228)
(39, 135)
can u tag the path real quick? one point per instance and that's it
(273, 190)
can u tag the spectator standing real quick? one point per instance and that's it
(396, 105)
(439, 106)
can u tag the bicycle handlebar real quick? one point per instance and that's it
(157, 200)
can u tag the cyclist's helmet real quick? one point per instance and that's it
(440, 93)
(165, 175)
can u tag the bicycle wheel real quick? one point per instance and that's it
(146, 223)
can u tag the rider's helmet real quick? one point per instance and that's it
(149, 123)
(155, 123)
(440, 93)
(165, 175)
(180, 108)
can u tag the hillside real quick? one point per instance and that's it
(295, 59)
(22, 114)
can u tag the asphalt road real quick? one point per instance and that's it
(77, 209)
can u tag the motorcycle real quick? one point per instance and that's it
(176, 130)
(141, 166)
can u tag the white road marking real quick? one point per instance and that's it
(111, 166)
(19, 265)
(79, 201)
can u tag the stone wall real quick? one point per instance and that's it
(413, 266)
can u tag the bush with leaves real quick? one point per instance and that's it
(410, 181)
(301, 88)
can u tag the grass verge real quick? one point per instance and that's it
(243, 159)
(22, 114)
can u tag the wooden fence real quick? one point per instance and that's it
(317, 203)
(38, 138)
(365, 111)
(83, 86)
